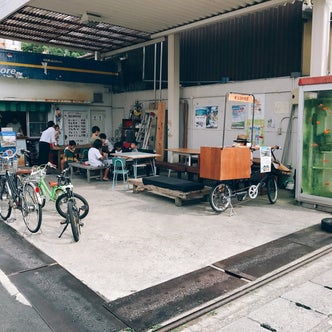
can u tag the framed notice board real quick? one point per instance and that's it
(76, 127)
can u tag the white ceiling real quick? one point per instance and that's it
(128, 22)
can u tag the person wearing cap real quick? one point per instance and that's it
(46, 142)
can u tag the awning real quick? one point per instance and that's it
(17, 106)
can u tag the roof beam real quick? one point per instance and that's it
(133, 47)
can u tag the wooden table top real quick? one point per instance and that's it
(184, 150)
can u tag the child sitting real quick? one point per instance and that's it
(69, 155)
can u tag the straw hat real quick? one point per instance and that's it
(241, 138)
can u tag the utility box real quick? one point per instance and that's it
(227, 163)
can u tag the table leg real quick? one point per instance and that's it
(153, 166)
(135, 169)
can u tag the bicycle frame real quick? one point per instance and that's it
(50, 190)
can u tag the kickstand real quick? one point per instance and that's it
(231, 211)
(66, 225)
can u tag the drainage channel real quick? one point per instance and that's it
(238, 293)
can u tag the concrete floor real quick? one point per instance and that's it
(133, 241)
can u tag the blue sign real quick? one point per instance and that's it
(23, 65)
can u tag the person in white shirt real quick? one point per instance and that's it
(46, 142)
(95, 157)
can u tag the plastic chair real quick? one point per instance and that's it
(119, 167)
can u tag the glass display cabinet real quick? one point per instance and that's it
(314, 167)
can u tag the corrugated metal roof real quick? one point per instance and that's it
(107, 25)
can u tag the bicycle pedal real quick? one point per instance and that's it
(81, 224)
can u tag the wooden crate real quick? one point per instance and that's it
(224, 163)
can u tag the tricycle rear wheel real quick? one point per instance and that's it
(272, 189)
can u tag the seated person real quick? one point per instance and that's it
(241, 140)
(117, 148)
(69, 155)
(133, 146)
(104, 141)
(95, 130)
(96, 157)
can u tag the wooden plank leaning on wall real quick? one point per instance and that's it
(160, 134)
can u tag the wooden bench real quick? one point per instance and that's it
(88, 169)
(177, 167)
(192, 171)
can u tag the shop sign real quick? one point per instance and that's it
(23, 65)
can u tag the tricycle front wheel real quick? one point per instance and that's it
(220, 197)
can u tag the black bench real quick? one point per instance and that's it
(173, 183)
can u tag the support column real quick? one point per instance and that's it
(320, 36)
(173, 90)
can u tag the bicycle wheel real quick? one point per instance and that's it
(272, 189)
(5, 207)
(31, 209)
(74, 219)
(220, 197)
(61, 205)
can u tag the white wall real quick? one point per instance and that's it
(277, 107)
(277, 94)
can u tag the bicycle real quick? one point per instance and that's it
(18, 193)
(73, 215)
(222, 193)
(53, 189)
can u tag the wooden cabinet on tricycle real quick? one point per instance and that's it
(226, 163)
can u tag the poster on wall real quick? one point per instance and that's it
(206, 117)
(76, 126)
(258, 131)
(259, 107)
(238, 116)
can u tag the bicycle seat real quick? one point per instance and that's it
(21, 171)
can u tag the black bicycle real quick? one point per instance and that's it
(222, 193)
(77, 206)
(16, 192)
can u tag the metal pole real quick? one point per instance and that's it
(252, 120)
(155, 72)
(223, 132)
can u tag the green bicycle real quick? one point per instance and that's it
(54, 189)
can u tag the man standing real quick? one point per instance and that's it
(46, 142)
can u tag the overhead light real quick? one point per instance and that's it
(87, 18)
